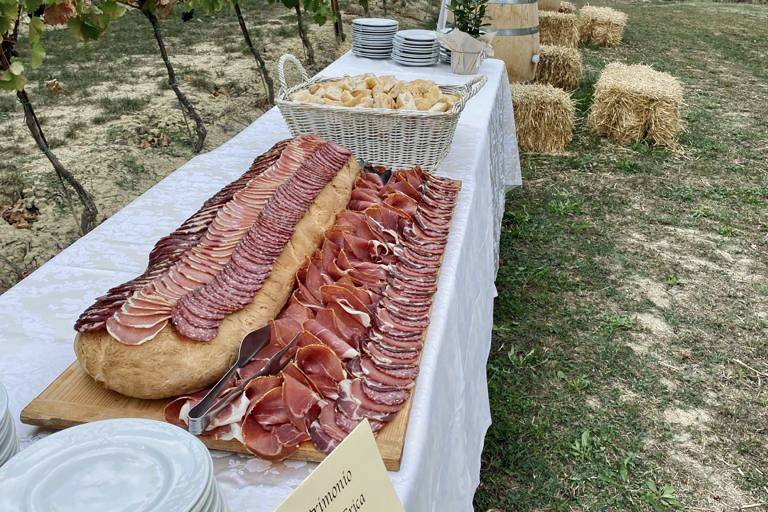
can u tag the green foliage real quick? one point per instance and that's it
(661, 499)
(469, 15)
(86, 21)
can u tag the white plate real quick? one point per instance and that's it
(412, 51)
(406, 56)
(410, 42)
(366, 46)
(417, 34)
(375, 40)
(5, 422)
(3, 400)
(372, 52)
(365, 33)
(367, 49)
(207, 502)
(413, 56)
(369, 35)
(415, 64)
(7, 433)
(374, 30)
(367, 56)
(375, 22)
(399, 58)
(117, 465)
(9, 452)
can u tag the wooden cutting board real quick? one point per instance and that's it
(75, 398)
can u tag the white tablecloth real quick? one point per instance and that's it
(450, 414)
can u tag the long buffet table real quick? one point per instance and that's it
(441, 462)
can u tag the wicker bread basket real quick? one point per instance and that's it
(381, 136)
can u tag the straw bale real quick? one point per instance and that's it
(636, 102)
(559, 66)
(601, 26)
(544, 116)
(557, 28)
(567, 7)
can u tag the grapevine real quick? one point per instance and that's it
(211, 6)
(86, 21)
(151, 9)
(320, 10)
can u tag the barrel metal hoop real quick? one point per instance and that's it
(512, 2)
(525, 31)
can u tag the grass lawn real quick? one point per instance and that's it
(629, 368)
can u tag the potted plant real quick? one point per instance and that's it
(469, 15)
(467, 42)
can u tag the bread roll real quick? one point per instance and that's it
(170, 364)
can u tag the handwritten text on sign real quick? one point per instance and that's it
(351, 479)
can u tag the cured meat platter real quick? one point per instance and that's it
(336, 267)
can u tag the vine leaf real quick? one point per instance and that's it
(16, 68)
(36, 51)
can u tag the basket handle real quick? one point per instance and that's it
(281, 70)
(468, 90)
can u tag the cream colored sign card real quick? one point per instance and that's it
(351, 479)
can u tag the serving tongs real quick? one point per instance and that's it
(201, 414)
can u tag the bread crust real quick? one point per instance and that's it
(171, 365)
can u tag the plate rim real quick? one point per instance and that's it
(106, 430)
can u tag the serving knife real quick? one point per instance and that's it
(200, 415)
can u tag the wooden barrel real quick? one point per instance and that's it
(516, 23)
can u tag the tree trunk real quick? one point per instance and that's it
(384, 4)
(338, 26)
(366, 8)
(269, 85)
(304, 37)
(88, 218)
(183, 100)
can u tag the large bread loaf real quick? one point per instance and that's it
(170, 365)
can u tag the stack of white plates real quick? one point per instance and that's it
(9, 443)
(415, 48)
(372, 37)
(445, 55)
(127, 465)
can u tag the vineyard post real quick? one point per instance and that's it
(269, 85)
(186, 105)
